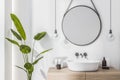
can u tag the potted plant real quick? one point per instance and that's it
(26, 50)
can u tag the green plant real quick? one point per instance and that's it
(25, 49)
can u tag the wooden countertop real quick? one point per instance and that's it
(66, 74)
(66, 70)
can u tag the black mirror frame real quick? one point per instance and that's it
(98, 17)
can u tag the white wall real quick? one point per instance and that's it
(2, 55)
(43, 19)
(8, 46)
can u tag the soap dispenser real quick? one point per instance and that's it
(58, 66)
(104, 63)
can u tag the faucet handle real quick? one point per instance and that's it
(85, 54)
(77, 54)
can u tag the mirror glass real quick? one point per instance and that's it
(81, 25)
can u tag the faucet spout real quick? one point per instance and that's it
(81, 55)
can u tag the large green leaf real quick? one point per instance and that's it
(29, 67)
(25, 49)
(13, 41)
(36, 61)
(16, 34)
(21, 68)
(39, 36)
(18, 26)
(43, 52)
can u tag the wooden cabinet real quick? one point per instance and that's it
(111, 74)
(65, 74)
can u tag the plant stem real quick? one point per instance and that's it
(26, 57)
(23, 57)
(24, 42)
(33, 51)
(29, 76)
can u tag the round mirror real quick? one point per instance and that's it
(81, 25)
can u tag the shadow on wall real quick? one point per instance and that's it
(46, 42)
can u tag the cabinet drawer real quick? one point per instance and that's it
(65, 74)
(103, 76)
(65, 77)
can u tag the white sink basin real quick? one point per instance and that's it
(83, 65)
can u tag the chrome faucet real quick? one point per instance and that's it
(83, 55)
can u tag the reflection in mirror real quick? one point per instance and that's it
(81, 25)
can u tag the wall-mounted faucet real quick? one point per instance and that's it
(83, 55)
